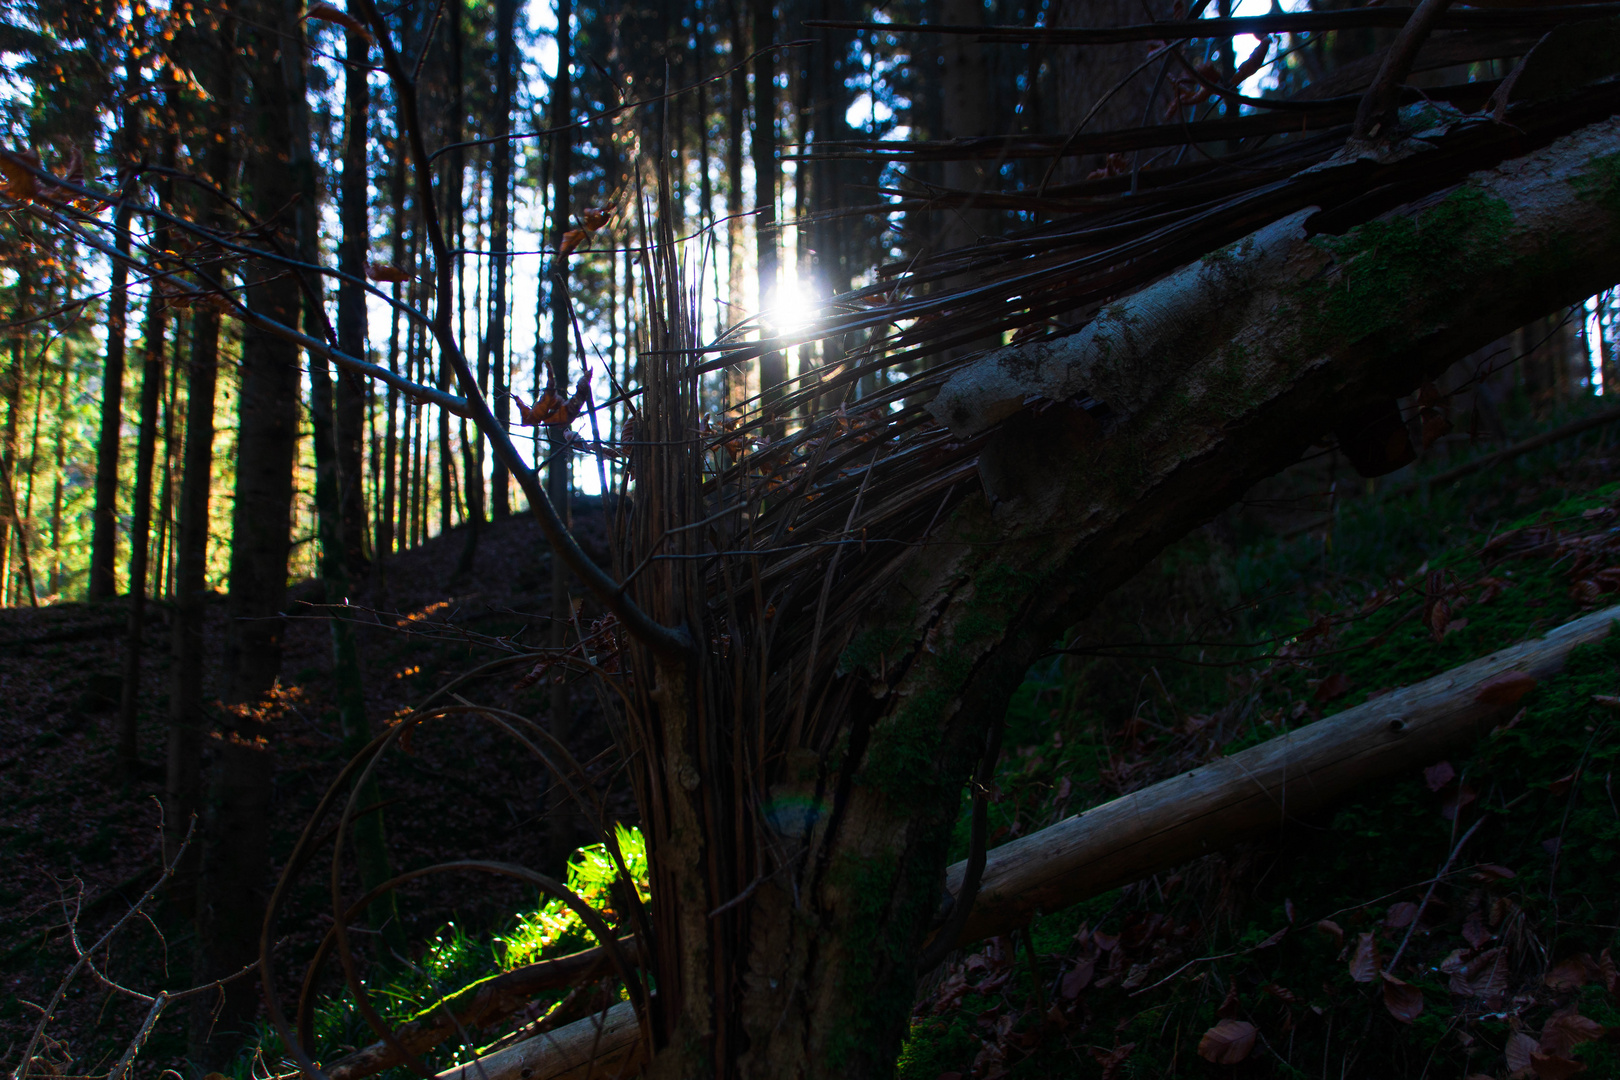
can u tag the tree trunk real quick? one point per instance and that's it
(500, 184)
(370, 839)
(562, 824)
(350, 397)
(773, 365)
(280, 184)
(104, 528)
(152, 377)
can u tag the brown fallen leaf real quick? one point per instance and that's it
(1364, 962)
(1077, 979)
(1517, 1051)
(1439, 775)
(1553, 1067)
(1403, 1000)
(1111, 1060)
(1505, 689)
(1571, 973)
(1563, 1033)
(1607, 974)
(1400, 915)
(1332, 930)
(1333, 687)
(1228, 1042)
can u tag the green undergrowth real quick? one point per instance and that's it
(1404, 587)
(457, 958)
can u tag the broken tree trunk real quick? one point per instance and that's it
(1201, 811)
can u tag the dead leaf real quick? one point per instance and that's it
(1486, 976)
(1281, 993)
(1505, 689)
(1517, 1051)
(328, 13)
(1228, 1042)
(1332, 930)
(1494, 872)
(1229, 1007)
(1334, 686)
(1561, 786)
(1570, 974)
(1364, 962)
(1403, 1000)
(1077, 979)
(1439, 775)
(387, 273)
(1400, 915)
(1554, 1067)
(1608, 701)
(20, 184)
(1455, 801)
(1111, 1060)
(1436, 616)
(1607, 973)
(1562, 1034)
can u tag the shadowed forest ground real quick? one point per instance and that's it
(1507, 951)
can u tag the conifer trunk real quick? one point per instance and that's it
(104, 521)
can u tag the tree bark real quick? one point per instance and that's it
(280, 186)
(152, 377)
(562, 823)
(104, 527)
(772, 365)
(349, 419)
(500, 183)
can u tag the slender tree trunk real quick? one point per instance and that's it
(152, 378)
(557, 476)
(500, 182)
(60, 456)
(736, 105)
(183, 768)
(104, 521)
(773, 365)
(12, 531)
(390, 456)
(350, 392)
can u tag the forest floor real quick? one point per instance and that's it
(73, 839)
(1486, 886)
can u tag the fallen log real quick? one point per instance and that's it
(479, 1005)
(602, 1047)
(1263, 788)
(1193, 814)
